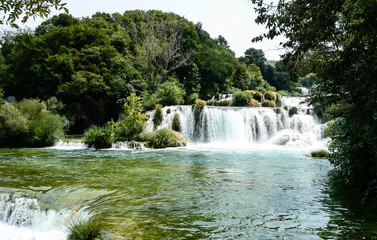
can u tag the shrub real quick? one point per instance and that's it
(169, 93)
(98, 137)
(134, 121)
(283, 93)
(224, 103)
(292, 111)
(176, 124)
(257, 95)
(192, 98)
(199, 105)
(157, 117)
(270, 96)
(88, 230)
(162, 138)
(241, 99)
(271, 88)
(213, 102)
(268, 103)
(29, 123)
(319, 154)
(254, 103)
(149, 101)
(278, 100)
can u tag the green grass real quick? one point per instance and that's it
(88, 230)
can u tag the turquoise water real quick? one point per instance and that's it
(197, 192)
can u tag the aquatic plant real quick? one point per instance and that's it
(253, 103)
(292, 111)
(176, 124)
(199, 105)
(270, 96)
(84, 230)
(319, 154)
(99, 137)
(163, 138)
(157, 117)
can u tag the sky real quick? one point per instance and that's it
(233, 19)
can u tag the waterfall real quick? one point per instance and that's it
(23, 218)
(247, 124)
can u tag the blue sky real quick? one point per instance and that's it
(233, 19)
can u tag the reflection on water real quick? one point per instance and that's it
(190, 193)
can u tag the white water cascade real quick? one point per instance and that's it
(248, 125)
(22, 218)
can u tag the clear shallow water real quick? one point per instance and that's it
(198, 192)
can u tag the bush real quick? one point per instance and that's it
(270, 96)
(169, 93)
(284, 93)
(134, 121)
(254, 103)
(176, 124)
(192, 98)
(30, 124)
(256, 95)
(268, 103)
(224, 103)
(157, 117)
(213, 102)
(319, 154)
(292, 111)
(241, 99)
(98, 137)
(88, 230)
(199, 105)
(162, 138)
(149, 101)
(278, 101)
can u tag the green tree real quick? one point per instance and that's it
(337, 41)
(13, 9)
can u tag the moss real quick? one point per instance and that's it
(285, 108)
(277, 110)
(176, 126)
(292, 111)
(157, 118)
(199, 105)
(268, 103)
(84, 231)
(278, 101)
(253, 103)
(319, 154)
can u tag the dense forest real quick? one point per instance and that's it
(89, 66)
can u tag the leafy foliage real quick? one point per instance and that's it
(13, 9)
(241, 99)
(176, 125)
(134, 121)
(336, 40)
(169, 93)
(29, 123)
(98, 137)
(157, 117)
(162, 138)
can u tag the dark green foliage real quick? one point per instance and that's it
(169, 93)
(241, 99)
(268, 103)
(29, 123)
(292, 111)
(192, 98)
(176, 125)
(319, 154)
(162, 138)
(149, 101)
(157, 117)
(89, 230)
(98, 137)
(199, 105)
(336, 40)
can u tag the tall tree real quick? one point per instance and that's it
(337, 40)
(160, 47)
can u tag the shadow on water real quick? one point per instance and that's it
(350, 216)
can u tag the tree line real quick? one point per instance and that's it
(91, 65)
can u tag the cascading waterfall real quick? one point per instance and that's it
(248, 125)
(22, 218)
